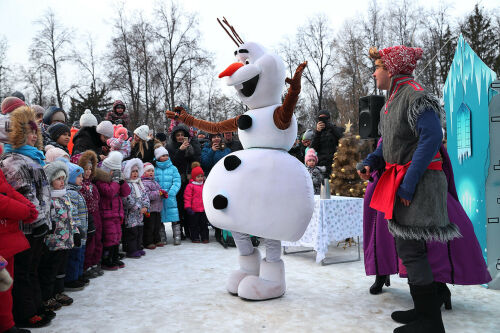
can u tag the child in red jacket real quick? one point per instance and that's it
(193, 204)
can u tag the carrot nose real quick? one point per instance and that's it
(231, 69)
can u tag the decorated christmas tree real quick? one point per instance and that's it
(344, 180)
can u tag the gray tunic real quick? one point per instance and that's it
(427, 215)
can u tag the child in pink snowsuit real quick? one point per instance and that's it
(193, 204)
(112, 188)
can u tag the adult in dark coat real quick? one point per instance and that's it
(325, 140)
(93, 138)
(232, 142)
(118, 115)
(183, 150)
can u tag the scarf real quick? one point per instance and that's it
(57, 193)
(27, 150)
(197, 183)
(137, 185)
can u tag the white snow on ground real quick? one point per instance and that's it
(182, 289)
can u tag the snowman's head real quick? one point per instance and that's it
(258, 76)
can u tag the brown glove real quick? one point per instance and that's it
(229, 125)
(283, 114)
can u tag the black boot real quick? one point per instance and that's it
(427, 307)
(406, 317)
(107, 259)
(116, 257)
(380, 280)
(17, 330)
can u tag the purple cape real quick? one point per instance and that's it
(459, 261)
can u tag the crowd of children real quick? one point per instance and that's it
(69, 197)
(65, 211)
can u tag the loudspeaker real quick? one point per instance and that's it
(369, 115)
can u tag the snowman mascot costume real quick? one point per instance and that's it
(261, 190)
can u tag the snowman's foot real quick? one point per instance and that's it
(249, 265)
(220, 201)
(231, 162)
(269, 284)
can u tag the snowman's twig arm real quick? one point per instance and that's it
(229, 125)
(283, 114)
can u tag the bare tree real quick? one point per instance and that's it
(49, 48)
(316, 44)
(354, 70)
(38, 81)
(403, 20)
(88, 61)
(373, 27)
(125, 72)
(4, 69)
(179, 52)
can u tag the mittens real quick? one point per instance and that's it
(189, 211)
(164, 194)
(33, 215)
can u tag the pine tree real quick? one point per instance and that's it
(96, 101)
(344, 179)
(480, 33)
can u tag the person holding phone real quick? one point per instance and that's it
(213, 151)
(325, 140)
(184, 150)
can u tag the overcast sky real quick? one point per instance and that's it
(264, 21)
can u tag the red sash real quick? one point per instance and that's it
(387, 186)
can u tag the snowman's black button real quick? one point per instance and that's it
(244, 122)
(220, 201)
(231, 162)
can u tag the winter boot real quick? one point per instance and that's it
(380, 280)
(163, 235)
(269, 284)
(64, 299)
(98, 269)
(134, 255)
(249, 265)
(75, 285)
(107, 259)
(34, 322)
(427, 306)
(14, 329)
(406, 317)
(51, 305)
(176, 228)
(116, 257)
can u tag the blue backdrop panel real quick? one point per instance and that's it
(466, 99)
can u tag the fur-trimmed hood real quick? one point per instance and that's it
(127, 169)
(20, 120)
(101, 175)
(88, 156)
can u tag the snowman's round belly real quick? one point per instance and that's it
(269, 194)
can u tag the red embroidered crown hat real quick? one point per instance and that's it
(401, 59)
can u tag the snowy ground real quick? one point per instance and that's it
(181, 289)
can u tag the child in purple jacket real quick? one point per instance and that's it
(152, 220)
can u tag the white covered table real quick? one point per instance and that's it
(333, 219)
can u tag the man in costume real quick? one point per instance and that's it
(412, 192)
